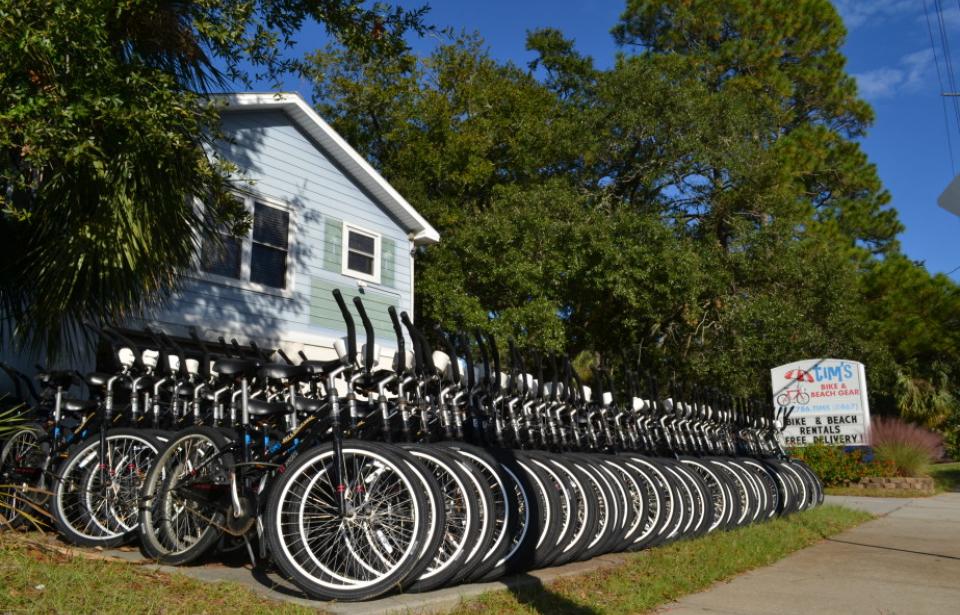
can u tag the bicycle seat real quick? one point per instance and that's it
(369, 381)
(98, 379)
(259, 407)
(184, 389)
(144, 383)
(57, 378)
(235, 367)
(70, 404)
(318, 368)
(305, 404)
(282, 371)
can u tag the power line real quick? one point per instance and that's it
(947, 58)
(943, 100)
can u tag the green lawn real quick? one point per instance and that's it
(946, 476)
(35, 580)
(664, 574)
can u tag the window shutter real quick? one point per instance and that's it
(388, 262)
(332, 244)
(268, 255)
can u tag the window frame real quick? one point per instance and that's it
(246, 251)
(345, 253)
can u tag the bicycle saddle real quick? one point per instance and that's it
(98, 379)
(57, 378)
(235, 367)
(282, 371)
(70, 404)
(315, 368)
(305, 404)
(369, 381)
(259, 407)
(144, 383)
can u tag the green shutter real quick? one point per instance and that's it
(325, 313)
(388, 261)
(332, 244)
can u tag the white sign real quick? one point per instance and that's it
(829, 401)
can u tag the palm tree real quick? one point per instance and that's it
(104, 136)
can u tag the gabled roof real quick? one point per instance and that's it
(334, 145)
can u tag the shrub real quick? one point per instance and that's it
(910, 448)
(835, 466)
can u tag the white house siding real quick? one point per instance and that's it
(279, 162)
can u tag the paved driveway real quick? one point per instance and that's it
(906, 562)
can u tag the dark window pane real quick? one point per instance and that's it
(363, 243)
(221, 260)
(359, 262)
(270, 225)
(268, 266)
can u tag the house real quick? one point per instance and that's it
(323, 219)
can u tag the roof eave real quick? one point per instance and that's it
(302, 113)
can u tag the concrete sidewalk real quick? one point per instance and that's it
(906, 562)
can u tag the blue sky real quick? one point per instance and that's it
(888, 50)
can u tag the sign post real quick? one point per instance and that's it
(829, 397)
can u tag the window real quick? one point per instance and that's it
(259, 259)
(268, 254)
(361, 253)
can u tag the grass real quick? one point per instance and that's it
(877, 493)
(664, 574)
(34, 579)
(946, 476)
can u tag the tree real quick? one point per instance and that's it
(702, 206)
(103, 134)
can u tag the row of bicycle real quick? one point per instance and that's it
(356, 478)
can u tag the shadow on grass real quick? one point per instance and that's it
(530, 591)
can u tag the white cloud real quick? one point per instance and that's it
(856, 13)
(914, 72)
(879, 83)
(919, 69)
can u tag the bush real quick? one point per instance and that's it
(836, 467)
(910, 448)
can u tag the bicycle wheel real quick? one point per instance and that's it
(435, 517)
(358, 553)
(485, 491)
(504, 509)
(461, 525)
(583, 520)
(93, 489)
(23, 481)
(716, 502)
(186, 496)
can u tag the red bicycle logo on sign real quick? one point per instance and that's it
(798, 395)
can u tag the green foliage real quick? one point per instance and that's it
(907, 458)
(104, 136)
(702, 205)
(836, 467)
